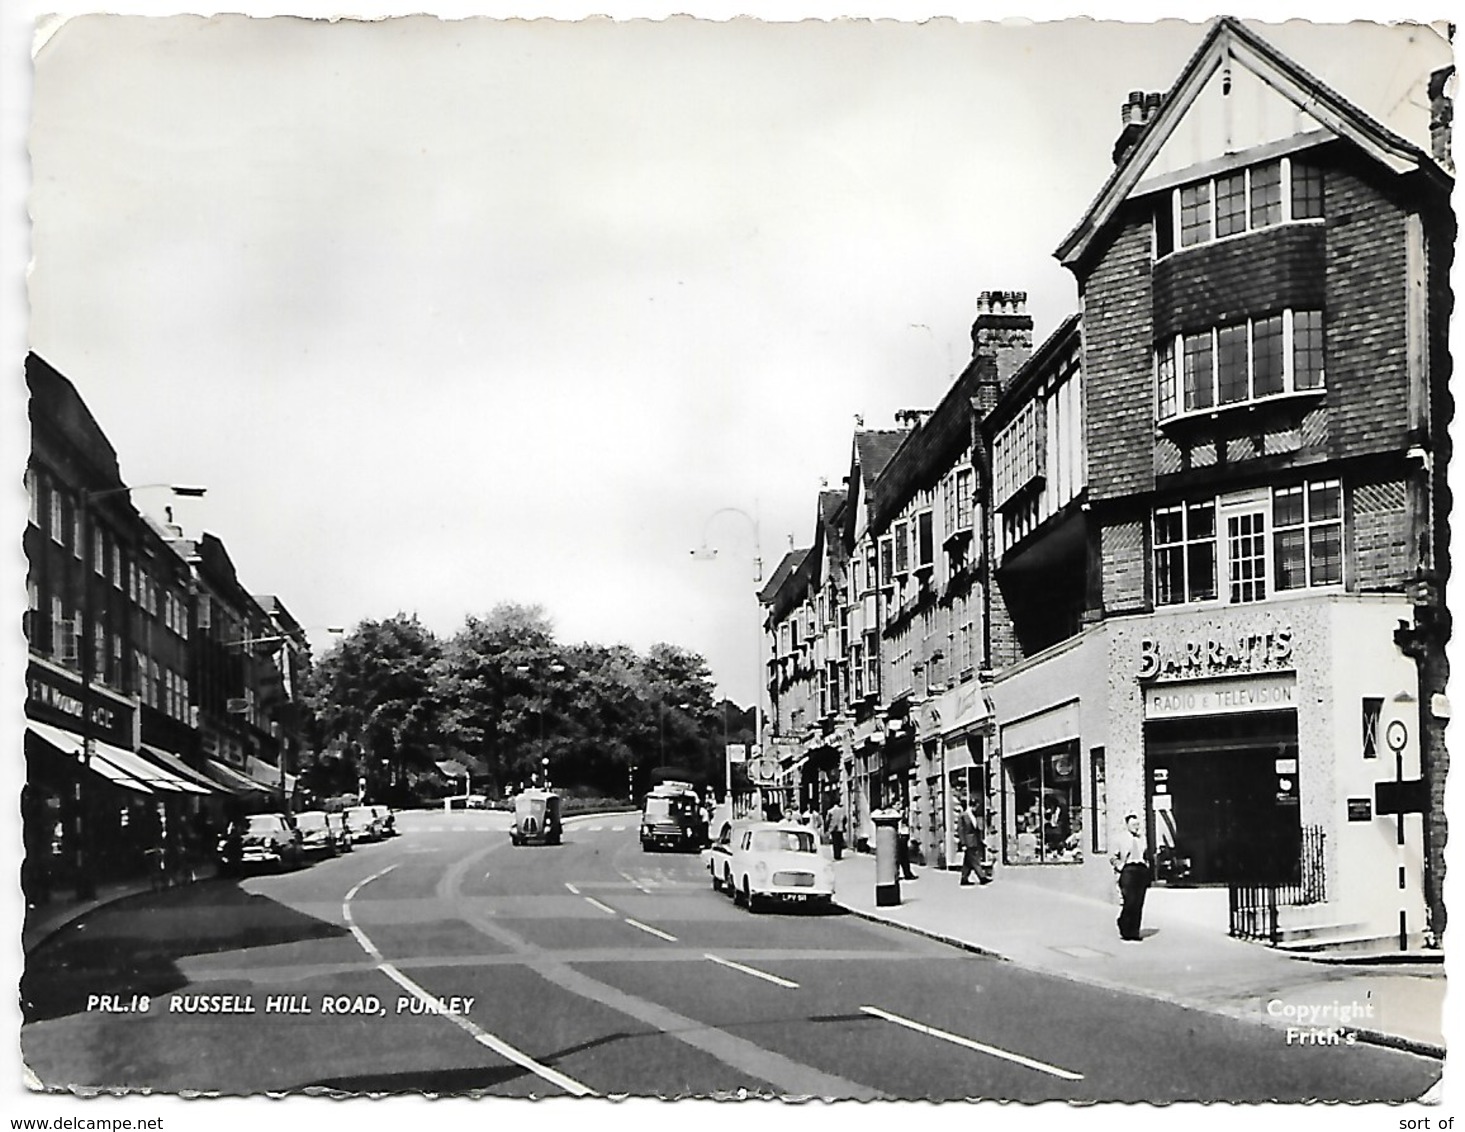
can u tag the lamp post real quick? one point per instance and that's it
(704, 553)
(553, 668)
(86, 648)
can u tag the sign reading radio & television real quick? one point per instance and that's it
(55, 698)
(1215, 650)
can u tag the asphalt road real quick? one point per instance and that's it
(596, 968)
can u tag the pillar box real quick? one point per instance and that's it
(887, 878)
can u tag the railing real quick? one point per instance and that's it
(1253, 906)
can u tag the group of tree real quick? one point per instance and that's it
(403, 714)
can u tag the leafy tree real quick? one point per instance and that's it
(375, 690)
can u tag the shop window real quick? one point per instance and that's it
(1044, 807)
(1373, 709)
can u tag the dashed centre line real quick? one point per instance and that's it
(603, 907)
(789, 983)
(980, 1047)
(649, 928)
(572, 888)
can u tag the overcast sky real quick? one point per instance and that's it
(448, 313)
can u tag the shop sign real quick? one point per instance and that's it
(1221, 697)
(1215, 650)
(56, 699)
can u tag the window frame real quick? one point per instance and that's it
(1176, 220)
(1183, 360)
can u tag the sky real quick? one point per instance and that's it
(449, 313)
(446, 314)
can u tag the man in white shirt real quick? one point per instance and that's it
(1132, 869)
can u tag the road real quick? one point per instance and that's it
(447, 961)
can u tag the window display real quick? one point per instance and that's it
(1044, 810)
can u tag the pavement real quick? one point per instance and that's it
(1179, 961)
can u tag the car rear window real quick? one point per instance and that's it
(658, 807)
(782, 840)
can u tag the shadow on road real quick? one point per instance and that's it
(132, 946)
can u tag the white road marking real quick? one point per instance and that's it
(751, 971)
(635, 882)
(957, 1039)
(602, 907)
(649, 928)
(467, 1025)
(572, 888)
(618, 829)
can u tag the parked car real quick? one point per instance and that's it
(718, 857)
(779, 861)
(265, 839)
(317, 838)
(342, 831)
(365, 823)
(387, 820)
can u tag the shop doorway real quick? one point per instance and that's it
(1224, 799)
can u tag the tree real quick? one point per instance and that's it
(376, 691)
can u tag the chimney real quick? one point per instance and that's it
(1138, 111)
(1002, 335)
(1442, 116)
(911, 418)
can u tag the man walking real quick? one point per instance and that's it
(971, 837)
(903, 846)
(834, 823)
(1131, 861)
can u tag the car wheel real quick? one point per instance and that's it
(750, 900)
(716, 883)
(728, 886)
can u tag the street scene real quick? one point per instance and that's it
(448, 960)
(850, 561)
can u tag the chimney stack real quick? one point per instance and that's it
(1138, 111)
(1002, 335)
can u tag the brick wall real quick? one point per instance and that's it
(1123, 542)
(1118, 362)
(1380, 526)
(1231, 279)
(1367, 346)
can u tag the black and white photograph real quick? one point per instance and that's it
(728, 557)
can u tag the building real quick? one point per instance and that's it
(123, 682)
(1250, 642)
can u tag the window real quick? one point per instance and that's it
(99, 552)
(902, 549)
(1241, 201)
(1044, 809)
(1195, 214)
(1307, 521)
(116, 564)
(1266, 195)
(925, 544)
(1373, 710)
(99, 650)
(58, 520)
(1265, 356)
(1231, 204)
(964, 499)
(1098, 801)
(1246, 556)
(76, 532)
(33, 497)
(1307, 191)
(1185, 553)
(1017, 453)
(887, 559)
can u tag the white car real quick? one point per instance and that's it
(718, 856)
(777, 861)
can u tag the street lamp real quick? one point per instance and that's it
(555, 669)
(706, 552)
(86, 649)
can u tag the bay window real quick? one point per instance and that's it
(1240, 363)
(1261, 196)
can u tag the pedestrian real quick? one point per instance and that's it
(903, 846)
(1131, 861)
(834, 823)
(972, 838)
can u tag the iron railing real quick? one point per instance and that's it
(1253, 906)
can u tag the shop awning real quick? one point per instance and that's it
(180, 768)
(157, 777)
(70, 745)
(234, 782)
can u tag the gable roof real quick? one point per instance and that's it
(1227, 40)
(874, 449)
(791, 562)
